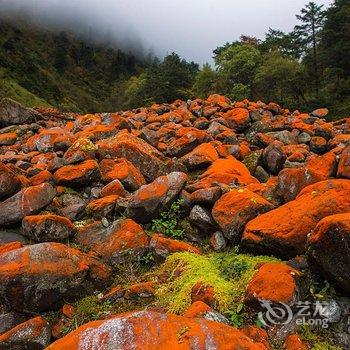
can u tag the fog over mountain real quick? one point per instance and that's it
(192, 28)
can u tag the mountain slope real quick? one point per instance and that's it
(47, 68)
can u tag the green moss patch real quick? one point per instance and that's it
(227, 273)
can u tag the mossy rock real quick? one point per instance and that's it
(227, 273)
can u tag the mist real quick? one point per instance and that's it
(191, 28)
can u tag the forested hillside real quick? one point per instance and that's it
(39, 67)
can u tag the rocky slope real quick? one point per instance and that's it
(168, 227)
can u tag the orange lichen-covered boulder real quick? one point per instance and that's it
(199, 309)
(40, 277)
(237, 207)
(294, 342)
(283, 231)
(8, 139)
(344, 164)
(78, 174)
(257, 334)
(237, 118)
(123, 239)
(227, 171)
(146, 158)
(148, 201)
(28, 201)
(329, 247)
(9, 182)
(147, 330)
(218, 100)
(102, 207)
(81, 150)
(187, 140)
(202, 156)
(164, 246)
(47, 228)
(292, 180)
(122, 170)
(273, 282)
(32, 334)
(115, 187)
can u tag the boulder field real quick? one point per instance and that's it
(170, 226)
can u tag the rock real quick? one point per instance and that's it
(12, 112)
(318, 145)
(77, 175)
(320, 113)
(235, 209)
(103, 207)
(344, 164)
(283, 231)
(122, 170)
(33, 334)
(123, 240)
(257, 334)
(329, 246)
(227, 171)
(115, 187)
(80, 151)
(237, 119)
(26, 202)
(149, 330)
(201, 310)
(206, 196)
(218, 241)
(8, 139)
(274, 283)
(201, 157)
(147, 202)
(304, 137)
(294, 342)
(10, 320)
(146, 158)
(201, 218)
(273, 158)
(9, 182)
(11, 236)
(164, 246)
(187, 140)
(47, 228)
(41, 277)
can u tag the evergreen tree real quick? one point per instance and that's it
(312, 18)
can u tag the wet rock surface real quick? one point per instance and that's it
(170, 226)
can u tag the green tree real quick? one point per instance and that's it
(236, 65)
(61, 52)
(280, 79)
(312, 18)
(205, 82)
(169, 80)
(286, 43)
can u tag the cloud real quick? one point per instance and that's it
(192, 28)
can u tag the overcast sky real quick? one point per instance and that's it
(192, 28)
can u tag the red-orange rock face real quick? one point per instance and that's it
(236, 208)
(77, 175)
(147, 202)
(26, 202)
(122, 240)
(165, 246)
(47, 228)
(328, 246)
(227, 171)
(148, 330)
(9, 182)
(41, 276)
(122, 170)
(283, 231)
(274, 282)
